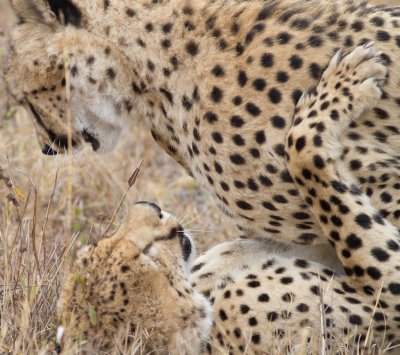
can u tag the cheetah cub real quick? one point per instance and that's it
(136, 280)
(236, 297)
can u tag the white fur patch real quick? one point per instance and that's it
(60, 334)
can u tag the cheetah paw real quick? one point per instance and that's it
(356, 79)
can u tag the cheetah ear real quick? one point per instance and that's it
(43, 12)
(66, 12)
(27, 11)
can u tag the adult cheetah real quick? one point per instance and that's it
(217, 82)
(261, 301)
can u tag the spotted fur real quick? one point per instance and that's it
(217, 83)
(240, 296)
(135, 282)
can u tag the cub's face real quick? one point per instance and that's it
(148, 236)
(67, 77)
(136, 273)
(159, 236)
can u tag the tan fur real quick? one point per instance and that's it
(217, 83)
(121, 71)
(130, 289)
(261, 299)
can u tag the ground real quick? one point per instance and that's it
(35, 212)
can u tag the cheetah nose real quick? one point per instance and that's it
(151, 204)
(47, 150)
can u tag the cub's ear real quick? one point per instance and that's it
(66, 12)
(28, 11)
(43, 11)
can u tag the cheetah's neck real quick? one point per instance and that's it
(168, 41)
(171, 43)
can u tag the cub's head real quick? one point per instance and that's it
(136, 281)
(68, 75)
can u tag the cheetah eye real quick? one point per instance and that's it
(186, 246)
(90, 138)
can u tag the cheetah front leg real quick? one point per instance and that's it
(368, 245)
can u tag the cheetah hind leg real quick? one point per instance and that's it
(367, 245)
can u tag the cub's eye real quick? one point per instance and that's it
(90, 138)
(186, 245)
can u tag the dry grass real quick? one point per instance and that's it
(35, 236)
(33, 214)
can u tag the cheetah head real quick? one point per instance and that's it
(66, 75)
(137, 279)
